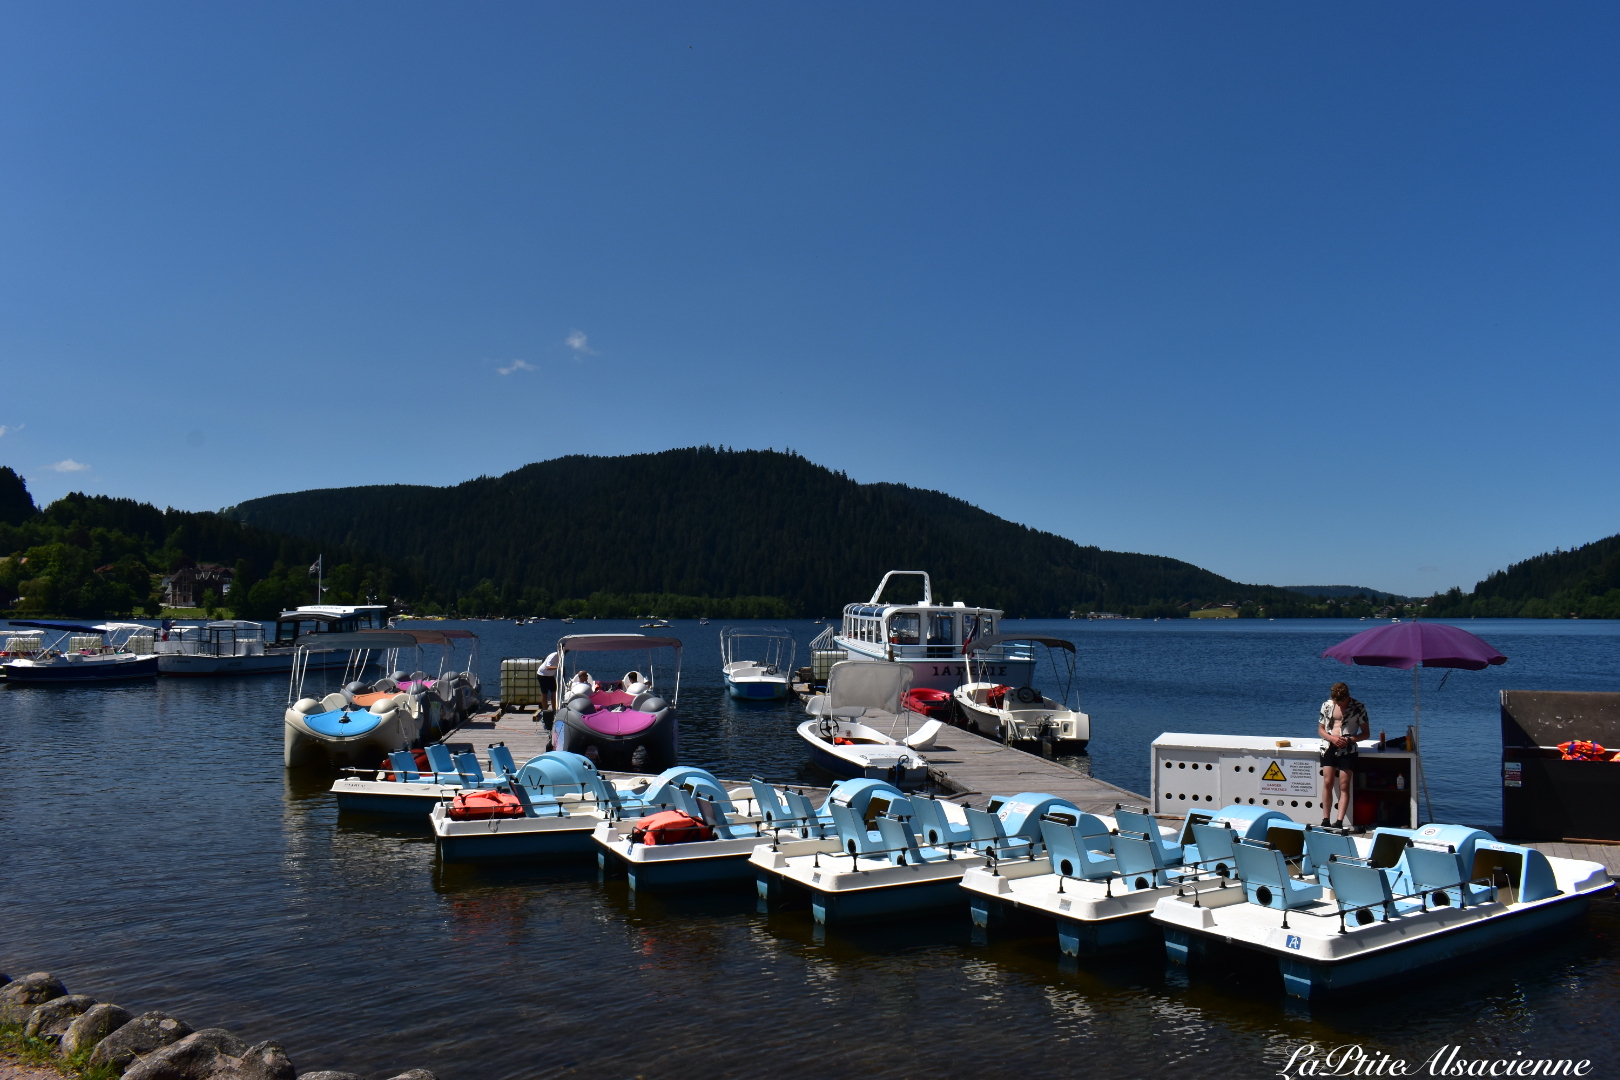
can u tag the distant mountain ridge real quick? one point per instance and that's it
(1344, 590)
(1583, 582)
(708, 522)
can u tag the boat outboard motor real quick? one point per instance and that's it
(385, 686)
(357, 687)
(399, 677)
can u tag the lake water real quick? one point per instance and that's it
(156, 854)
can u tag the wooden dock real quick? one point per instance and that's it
(964, 766)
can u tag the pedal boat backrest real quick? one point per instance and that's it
(1070, 852)
(406, 770)
(500, 759)
(1214, 844)
(1324, 844)
(710, 814)
(1518, 875)
(987, 835)
(1288, 837)
(853, 836)
(767, 804)
(1360, 890)
(899, 841)
(932, 826)
(443, 763)
(802, 812)
(1141, 863)
(1267, 880)
(1140, 821)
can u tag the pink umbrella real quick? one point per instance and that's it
(1408, 645)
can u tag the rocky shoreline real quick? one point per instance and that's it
(106, 1039)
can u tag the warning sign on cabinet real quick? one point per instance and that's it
(1289, 776)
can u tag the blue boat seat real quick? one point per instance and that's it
(1267, 880)
(768, 807)
(1141, 865)
(1288, 837)
(1322, 845)
(1137, 822)
(405, 769)
(1070, 854)
(500, 759)
(444, 766)
(537, 805)
(933, 827)
(988, 835)
(471, 775)
(1214, 849)
(853, 836)
(1439, 872)
(900, 843)
(621, 803)
(1360, 888)
(802, 812)
(711, 815)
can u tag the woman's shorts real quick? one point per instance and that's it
(1335, 758)
(548, 683)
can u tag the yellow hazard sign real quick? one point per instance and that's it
(1274, 772)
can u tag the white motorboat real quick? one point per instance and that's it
(928, 638)
(757, 661)
(80, 653)
(861, 728)
(357, 725)
(223, 647)
(1022, 715)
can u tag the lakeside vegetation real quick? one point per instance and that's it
(1583, 583)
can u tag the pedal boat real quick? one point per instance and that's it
(404, 788)
(740, 819)
(1022, 716)
(1402, 904)
(1100, 877)
(902, 855)
(563, 797)
(860, 728)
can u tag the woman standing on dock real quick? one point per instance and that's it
(1343, 720)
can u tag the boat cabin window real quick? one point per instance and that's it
(978, 626)
(941, 630)
(904, 628)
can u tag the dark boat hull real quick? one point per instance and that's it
(659, 744)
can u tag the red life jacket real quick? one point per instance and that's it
(482, 805)
(422, 766)
(669, 827)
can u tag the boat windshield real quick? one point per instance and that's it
(903, 628)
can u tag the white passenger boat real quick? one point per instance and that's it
(79, 653)
(1405, 902)
(1022, 715)
(223, 647)
(861, 728)
(360, 723)
(757, 661)
(929, 638)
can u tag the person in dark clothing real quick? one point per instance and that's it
(1343, 720)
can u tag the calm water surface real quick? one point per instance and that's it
(157, 854)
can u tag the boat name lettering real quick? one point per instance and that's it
(1352, 1059)
(986, 672)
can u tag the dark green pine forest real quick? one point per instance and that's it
(1582, 582)
(651, 529)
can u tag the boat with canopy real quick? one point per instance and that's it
(1022, 715)
(79, 653)
(756, 661)
(623, 722)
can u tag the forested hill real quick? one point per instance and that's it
(1583, 581)
(720, 523)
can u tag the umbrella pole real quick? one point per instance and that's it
(1417, 729)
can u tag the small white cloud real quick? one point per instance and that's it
(68, 465)
(576, 341)
(4, 428)
(517, 365)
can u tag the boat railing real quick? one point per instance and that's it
(994, 654)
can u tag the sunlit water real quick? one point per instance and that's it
(156, 854)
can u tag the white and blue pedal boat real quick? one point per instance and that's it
(737, 821)
(404, 788)
(1343, 913)
(1100, 876)
(888, 855)
(563, 799)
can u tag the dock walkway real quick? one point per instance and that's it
(962, 764)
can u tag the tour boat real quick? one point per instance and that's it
(626, 724)
(1400, 903)
(861, 727)
(1100, 876)
(929, 639)
(97, 652)
(1022, 715)
(357, 725)
(762, 674)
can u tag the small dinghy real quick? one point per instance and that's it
(624, 724)
(756, 661)
(704, 833)
(1100, 877)
(861, 728)
(1022, 715)
(413, 782)
(1341, 913)
(562, 799)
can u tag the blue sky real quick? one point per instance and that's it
(1300, 293)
